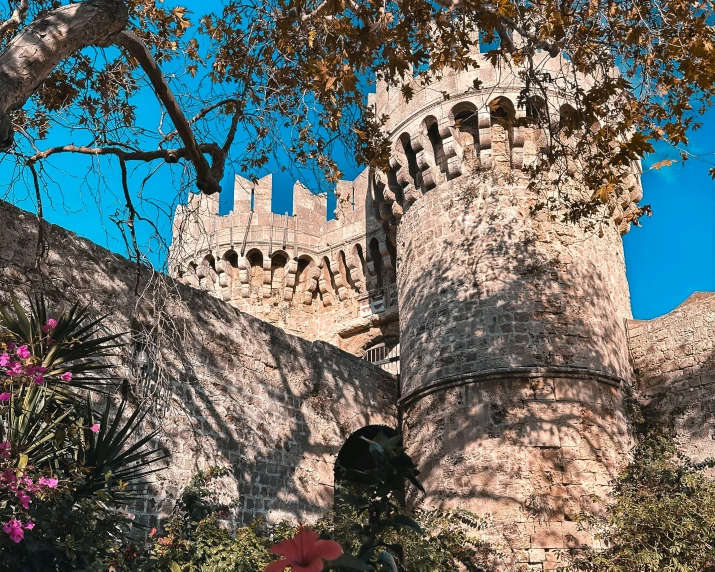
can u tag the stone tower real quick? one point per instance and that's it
(512, 325)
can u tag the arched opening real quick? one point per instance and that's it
(255, 261)
(345, 271)
(406, 144)
(210, 261)
(279, 260)
(355, 454)
(568, 120)
(466, 128)
(329, 276)
(502, 112)
(361, 258)
(436, 142)
(231, 257)
(376, 258)
(536, 111)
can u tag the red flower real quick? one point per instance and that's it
(304, 552)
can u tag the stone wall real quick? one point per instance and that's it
(240, 390)
(674, 357)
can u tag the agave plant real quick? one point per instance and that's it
(67, 344)
(47, 417)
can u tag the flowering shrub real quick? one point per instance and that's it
(662, 517)
(64, 473)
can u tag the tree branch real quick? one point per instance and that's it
(208, 179)
(48, 40)
(168, 155)
(16, 18)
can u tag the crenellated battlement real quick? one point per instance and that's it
(471, 121)
(322, 279)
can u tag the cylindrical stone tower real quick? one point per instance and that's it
(512, 331)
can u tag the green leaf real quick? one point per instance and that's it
(350, 562)
(174, 567)
(407, 522)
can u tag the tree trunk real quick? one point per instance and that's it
(39, 47)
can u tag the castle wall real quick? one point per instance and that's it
(674, 357)
(240, 390)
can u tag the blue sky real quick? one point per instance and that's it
(670, 257)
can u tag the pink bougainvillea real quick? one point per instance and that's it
(5, 397)
(4, 359)
(67, 376)
(94, 428)
(50, 325)
(23, 352)
(49, 482)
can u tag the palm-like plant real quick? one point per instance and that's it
(49, 420)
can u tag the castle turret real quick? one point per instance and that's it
(321, 279)
(514, 351)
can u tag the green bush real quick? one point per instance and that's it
(662, 517)
(195, 540)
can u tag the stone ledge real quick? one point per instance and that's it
(512, 373)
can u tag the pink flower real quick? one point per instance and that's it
(50, 325)
(10, 346)
(50, 483)
(15, 368)
(13, 528)
(304, 552)
(66, 376)
(8, 476)
(35, 369)
(23, 352)
(29, 525)
(4, 450)
(38, 379)
(4, 359)
(94, 428)
(5, 397)
(23, 499)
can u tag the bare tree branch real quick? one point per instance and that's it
(208, 179)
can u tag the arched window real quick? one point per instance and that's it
(536, 111)
(502, 112)
(231, 257)
(568, 119)
(255, 260)
(345, 271)
(210, 261)
(355, 454)
(436, 141)
(406, 144)
(466, 126)
(278, 267)
(376, 257)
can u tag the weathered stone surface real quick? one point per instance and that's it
(241, 391)
(674, 356)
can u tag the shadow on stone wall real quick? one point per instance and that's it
(513, 349)
(239, 390)
(674, 357)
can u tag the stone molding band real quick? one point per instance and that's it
(511, 373)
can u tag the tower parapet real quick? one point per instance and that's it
(330, 280)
